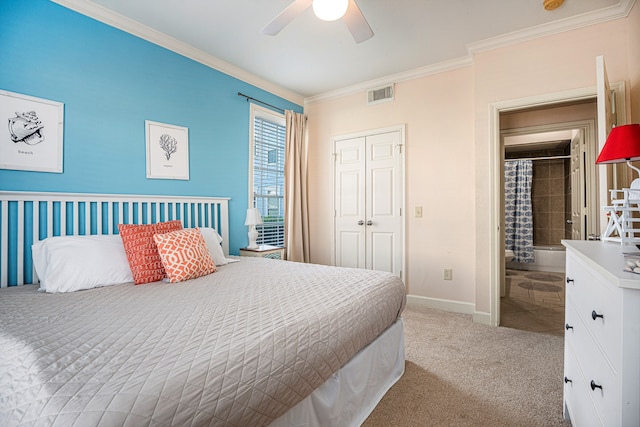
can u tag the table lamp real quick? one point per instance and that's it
(623, 144)
(253, 218)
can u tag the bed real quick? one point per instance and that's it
(257, 342)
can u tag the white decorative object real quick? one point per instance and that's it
(623, 145)
(602, 348)
(33, 133)
(623, 215)
(253, 218)
(167, 151)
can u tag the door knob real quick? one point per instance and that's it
(361, 222)
(369, 222)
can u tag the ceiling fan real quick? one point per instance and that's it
(327, 10)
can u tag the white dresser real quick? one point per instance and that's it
(602, 336)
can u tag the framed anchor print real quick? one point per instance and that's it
(31, 138)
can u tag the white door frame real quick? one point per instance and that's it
(588, 127)
(496, 259)
(397, 128)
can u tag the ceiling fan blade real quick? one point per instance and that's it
(357, 24)
(286, 16)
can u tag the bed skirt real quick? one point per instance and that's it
(352, 393)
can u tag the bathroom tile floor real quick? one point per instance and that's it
(533, 301)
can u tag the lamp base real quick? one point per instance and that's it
(253, 236)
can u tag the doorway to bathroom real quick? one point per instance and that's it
(549, 183)
(609, 177)
(612, 103)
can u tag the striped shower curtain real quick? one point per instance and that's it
(518, 214)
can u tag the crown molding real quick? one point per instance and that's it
(415, 73)
(620, 10)
(106, 16)
(144, 32)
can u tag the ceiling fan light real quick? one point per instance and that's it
(330, 10)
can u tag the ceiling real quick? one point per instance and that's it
(538, 141)
(312, 58)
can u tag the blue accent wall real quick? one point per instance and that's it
(111, 82)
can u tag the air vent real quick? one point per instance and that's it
(380, 94)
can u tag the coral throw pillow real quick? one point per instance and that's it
(184, 254)
(142, 254)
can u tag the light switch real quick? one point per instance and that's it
(418, 211)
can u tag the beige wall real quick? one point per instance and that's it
(585, 110)
(448, 148)
(438, 113)
(551, 64)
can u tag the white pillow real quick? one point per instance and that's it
(213, 240)
(73, 263)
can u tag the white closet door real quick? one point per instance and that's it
(368, 201)
(383, 224)
(350, 203)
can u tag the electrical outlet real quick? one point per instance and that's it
(418, 211)
(448, 274)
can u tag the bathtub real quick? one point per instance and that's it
(547, 258)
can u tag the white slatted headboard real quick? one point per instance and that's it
(26, 218)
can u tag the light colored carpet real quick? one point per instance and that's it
(459, 373)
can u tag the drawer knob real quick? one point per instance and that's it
(595, 315)
(569, 280)
(595, 386)
(567, 380)
(568, 326)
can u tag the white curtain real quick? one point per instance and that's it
(296, 217)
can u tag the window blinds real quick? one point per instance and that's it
(268, 179)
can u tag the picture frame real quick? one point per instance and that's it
(34, 137)
(167, 151)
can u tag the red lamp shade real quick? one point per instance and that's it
(623, 143)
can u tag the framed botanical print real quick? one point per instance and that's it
(167, 151)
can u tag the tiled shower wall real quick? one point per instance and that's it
(550, 196)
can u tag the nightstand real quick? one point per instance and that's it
(264, 251)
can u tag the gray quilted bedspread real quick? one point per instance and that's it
(237, 347)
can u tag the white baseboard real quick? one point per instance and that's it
(482, 318)
(441, 304)
(449, 305)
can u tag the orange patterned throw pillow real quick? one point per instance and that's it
(184, 254)
(142, 254)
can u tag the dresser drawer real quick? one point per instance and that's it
(579, 404)
(605, 350)
(593, 367)
(596, 303)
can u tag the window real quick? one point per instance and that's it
(267, 173)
